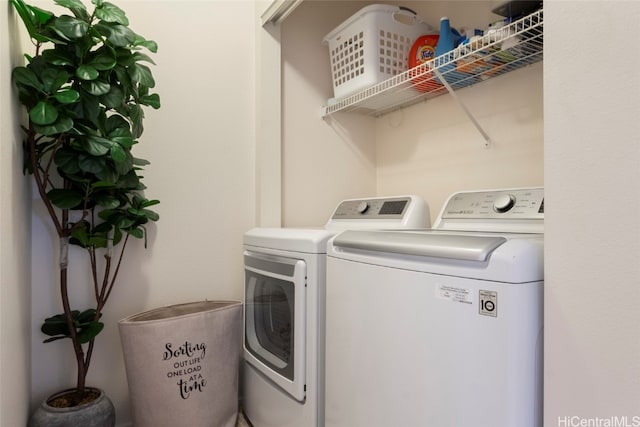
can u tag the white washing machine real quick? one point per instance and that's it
(283, 375)
(439, 327)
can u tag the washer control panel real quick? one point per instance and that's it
(496, 204)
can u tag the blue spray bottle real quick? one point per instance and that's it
(449, 39)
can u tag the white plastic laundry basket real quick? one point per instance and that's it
(372, 45)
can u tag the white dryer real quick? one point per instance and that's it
(439, 327)
(283, 373)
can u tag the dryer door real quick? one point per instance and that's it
(275, 313)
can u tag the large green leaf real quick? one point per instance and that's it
(88, 107)
(122, 158)
(26, 77)
(149, 44)
(116, 34)
(41, 16)
(65, 199)
(146, 203)
(103, 59)
(57, 57)
(117, 125)
(139, 56)
(55, 325)
(87, 316)
(114, 98)
(87, 72)
(43, 113)
(89, 331)
(96, 145)
(141, 74)
(75, 6)
(151, 215)
(137, 115)
(141, 162)
(125, 57)
(152, 100)
(109, 12)
(136, 232)
(63, 124)
(130, 181)
(96, 87)
(85, 331)
(108, 202)
(123, 77)
(84, 323)
(108, 215)
(56, 338)
(108, 175)
(66, 96)
(124, 141)
(67, 161)
(92, 164)
(53, 78)
(118, 154)
(33, 18)
(102, 184)
(70, 27)
(80, 232)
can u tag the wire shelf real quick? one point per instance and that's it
(503, 50)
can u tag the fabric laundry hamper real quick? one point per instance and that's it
(182, 363)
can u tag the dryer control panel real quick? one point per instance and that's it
(381, 212)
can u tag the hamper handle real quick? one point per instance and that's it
(406, 16)
(407, 9)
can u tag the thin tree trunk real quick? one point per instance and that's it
(64, 293)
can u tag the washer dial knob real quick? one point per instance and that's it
(362, 207)
(503, 203)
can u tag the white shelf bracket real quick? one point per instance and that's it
(487, 139)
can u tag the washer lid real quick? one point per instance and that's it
(498, 257)
(306, 240)
(437, 245)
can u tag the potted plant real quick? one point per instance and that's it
(84, 89)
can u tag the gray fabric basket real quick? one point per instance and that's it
(182, 364)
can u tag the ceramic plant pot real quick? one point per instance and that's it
(182, 364)
(96, 413)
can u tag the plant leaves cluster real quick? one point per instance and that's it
(85, 324)
(84, 90)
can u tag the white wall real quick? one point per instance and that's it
(433, 149)
(268, 123)
(15, 313)
(592, 239)
(201, 148)
(323, 162)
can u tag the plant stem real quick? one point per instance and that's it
(115, 273)
(41, 180)
(64, 293)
